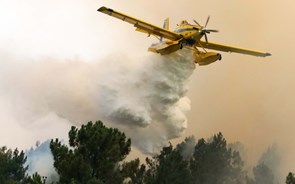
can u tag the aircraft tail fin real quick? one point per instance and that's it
(165, 26)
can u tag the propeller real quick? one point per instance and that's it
(205, 31)
(206, 38)
(197, 23)
(208, 18)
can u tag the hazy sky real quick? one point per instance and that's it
(248, 99)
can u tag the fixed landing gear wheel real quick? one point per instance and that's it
(220, 57)
(181, 46)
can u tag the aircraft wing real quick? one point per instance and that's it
(141, 25)
(226, 48)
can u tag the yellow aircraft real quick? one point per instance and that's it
(185, 36)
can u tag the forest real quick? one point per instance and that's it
(96, 154)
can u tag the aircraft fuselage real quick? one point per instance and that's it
(191, 36)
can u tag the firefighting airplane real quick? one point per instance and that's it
(185, 36)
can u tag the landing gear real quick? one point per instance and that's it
(219, 57)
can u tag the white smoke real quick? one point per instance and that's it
(272, 158)
(144, 97)
(148, 99)
(40, 160)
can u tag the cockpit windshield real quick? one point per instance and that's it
(184, 22)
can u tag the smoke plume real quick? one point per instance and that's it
(148, 100)
(40, 160)
(144, 97)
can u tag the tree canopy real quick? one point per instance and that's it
(207, 162)
(213, 162)
(12, 169)
(290, 178)
(167, 167)
(93, 154)
(262, 175)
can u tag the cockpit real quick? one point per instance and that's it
(184, 22)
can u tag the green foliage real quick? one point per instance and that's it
(168, 167)
(262, 175)
(186, 148)
(272, 159)
(209, 162)
(94, 155)
(12, 168)
(133, 172)
(290, 178)
(213, 162)
(34, 179)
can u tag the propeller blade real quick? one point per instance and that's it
(211, 30)
(196, 22)
(207, 21)
(206, 38)
(207, 31)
